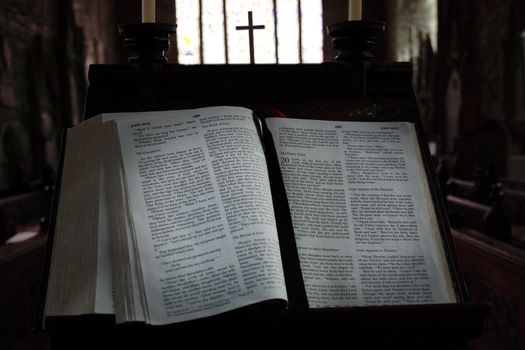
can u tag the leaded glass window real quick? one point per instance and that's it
(206, 31)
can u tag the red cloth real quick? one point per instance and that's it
(274, 113)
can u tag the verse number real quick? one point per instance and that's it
(285, 160)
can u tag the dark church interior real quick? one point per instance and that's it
(468, 78)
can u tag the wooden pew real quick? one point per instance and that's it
(21, 267)
(495, 275)
(466, 213)
(24, 209)
(490, 244)
(491, 220)
(461, 188)
(513, 205)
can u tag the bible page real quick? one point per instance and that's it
(128, 286)
(362, 214)
(202, 212)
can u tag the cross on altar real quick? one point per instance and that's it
(250, 27)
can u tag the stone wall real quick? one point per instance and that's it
(45, 48)
(480, 55)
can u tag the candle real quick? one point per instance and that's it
(355, 9)
(148, 11)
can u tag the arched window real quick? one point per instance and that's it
(206, 31)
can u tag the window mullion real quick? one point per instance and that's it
(201, 46)
(175, 44)
(300, 23)
(276, 39)
(225, 25)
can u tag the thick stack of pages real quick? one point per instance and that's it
(165, 217)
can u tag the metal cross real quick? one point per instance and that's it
(250, 27)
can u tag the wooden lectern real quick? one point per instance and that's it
(350, 90)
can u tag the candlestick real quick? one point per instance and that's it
(146, 42)
(354, 39)
(148, 11)
(355, 10)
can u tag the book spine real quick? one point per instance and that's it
(297, 299)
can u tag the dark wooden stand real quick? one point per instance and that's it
(414, 327)
(321, 91)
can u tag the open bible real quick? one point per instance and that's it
(165, 217)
